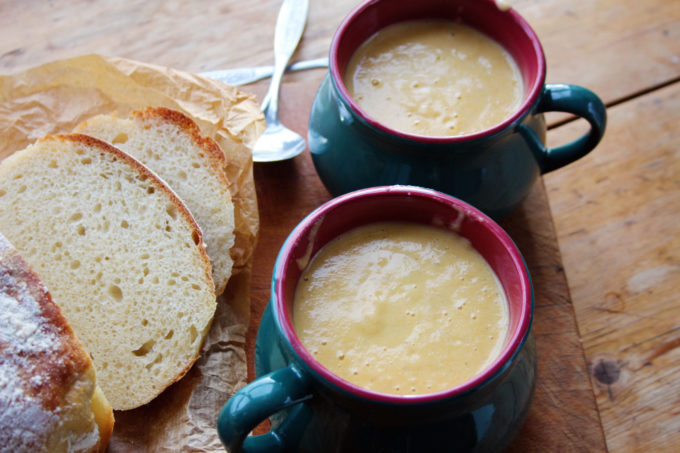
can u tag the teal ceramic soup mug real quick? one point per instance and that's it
(313, 410)
(492, 169)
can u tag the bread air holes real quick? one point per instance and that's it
(115, 292)
(156, 361)
(145, 348)
(193, 334)
(171, 210)
(120, 138)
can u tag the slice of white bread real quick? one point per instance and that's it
(49, 400)
(121, 254)
(170, 144)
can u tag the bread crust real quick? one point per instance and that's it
(47, 375)
(104, 147)
(191, 314)
(195, 169)
(185, 123)
(14, 269)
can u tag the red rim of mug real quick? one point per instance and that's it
(516, 335)
(526, 50)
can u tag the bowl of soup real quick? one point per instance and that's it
(399, 321)
(384, 305)
(448, 95)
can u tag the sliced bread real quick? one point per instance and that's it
(121, 255)
(49, 400)
(170, 144)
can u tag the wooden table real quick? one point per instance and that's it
(601, 235)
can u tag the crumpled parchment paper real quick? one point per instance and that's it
(54, 98)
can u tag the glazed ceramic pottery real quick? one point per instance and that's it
(313, 410)
(493, 169)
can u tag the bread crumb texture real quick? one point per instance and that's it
(170, 144)
(120, 254)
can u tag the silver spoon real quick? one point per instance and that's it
(278, 142)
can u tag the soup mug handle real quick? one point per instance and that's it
(254, 403)
(570, 99)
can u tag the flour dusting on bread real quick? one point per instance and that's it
(24, 422)
(47, 383)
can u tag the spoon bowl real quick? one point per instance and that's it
(278, 143)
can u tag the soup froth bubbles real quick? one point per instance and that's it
(401, 308)
(434, 78)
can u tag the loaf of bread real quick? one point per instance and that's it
(49, 400)
(121, 255)
(170, 144)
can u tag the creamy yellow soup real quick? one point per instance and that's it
(434, 78)
(401, 308)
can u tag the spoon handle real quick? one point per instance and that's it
(289, 27)
(245, 76)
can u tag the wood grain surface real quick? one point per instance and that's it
(615, 211)
(620, 239)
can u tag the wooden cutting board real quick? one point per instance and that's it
(563, 416)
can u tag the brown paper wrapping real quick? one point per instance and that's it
(54, 98)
